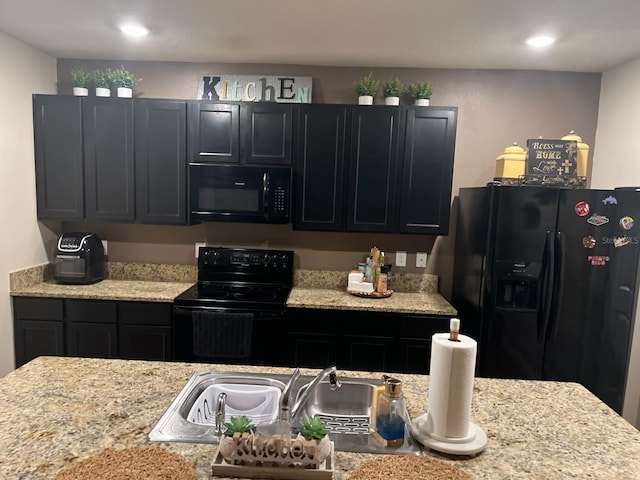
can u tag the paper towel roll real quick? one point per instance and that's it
(450, 387)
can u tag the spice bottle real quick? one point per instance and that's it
(390, 413)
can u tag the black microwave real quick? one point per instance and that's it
(239, 193)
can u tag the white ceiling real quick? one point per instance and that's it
(593, 35)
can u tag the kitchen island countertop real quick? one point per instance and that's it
(56, 410)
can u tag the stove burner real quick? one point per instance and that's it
(214, 294)
(256, 296)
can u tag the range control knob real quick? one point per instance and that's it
(266, 258)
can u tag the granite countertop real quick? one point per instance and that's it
(56, 410)
(140, 290)
(430, 303)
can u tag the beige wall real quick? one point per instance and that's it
(496, 108)
(23, 71)
(616, 164)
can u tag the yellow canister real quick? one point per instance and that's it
(583, 153)
(511, 164)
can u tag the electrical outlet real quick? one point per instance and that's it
(198, 245)
(401, 259)
(105, 246)
(421, 260)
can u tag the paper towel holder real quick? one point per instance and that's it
(423, 428)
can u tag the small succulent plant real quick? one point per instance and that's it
(313, 428)
(366, 85)
(239, 424)
(392, 87)
(80, 78)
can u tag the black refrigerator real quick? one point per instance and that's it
(545, 279)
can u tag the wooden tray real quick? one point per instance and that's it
(374, 294)
(221, 468)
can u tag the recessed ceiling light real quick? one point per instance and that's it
(540, 41)
(134, 29)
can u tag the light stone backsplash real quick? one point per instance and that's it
(399, 282)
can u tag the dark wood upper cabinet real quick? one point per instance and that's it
(373, 166)
(57, 122)
(320, 165)
(266, 133)
(161, 161)
(425, 188)
(108, 159)
(214, 132)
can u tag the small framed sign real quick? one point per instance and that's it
(552, 158)
(255, 88)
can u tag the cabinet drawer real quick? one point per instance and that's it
(423, 326)
(91, 311)
(28, 308)
(144, 313)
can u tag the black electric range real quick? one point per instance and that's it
(236, 311)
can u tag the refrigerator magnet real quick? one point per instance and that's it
(626, 223)
(597, 220)
(589, 241)
(610, 200)
(582, 209)
(621, 241)
(598, 260)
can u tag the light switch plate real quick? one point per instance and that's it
(401, 259)
(421, 260)
(198, 245)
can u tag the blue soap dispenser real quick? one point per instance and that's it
(390, 413)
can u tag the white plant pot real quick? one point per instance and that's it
(365, 100)
(422, 102)
(103, 92)
(124, 92)
(80, 92)
(392, 101)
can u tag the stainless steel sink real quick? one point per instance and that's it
(347, 411)
(189, 418)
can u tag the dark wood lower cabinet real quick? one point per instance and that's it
(91, 328)
(358, 340)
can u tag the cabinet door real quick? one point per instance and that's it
(161, 161)
(93, 340)
(373, 169)
(312, 337)
(144, 330)
(320, 167)
(108, 158)
(144, 342)
(368, 340)
(425, 193)
(91, 328)
(214, 132)
(38, 328)
(57, 122)
(266, 133)
(415, 341)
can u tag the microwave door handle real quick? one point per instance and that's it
(265, 195)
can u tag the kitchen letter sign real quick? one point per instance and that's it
(255, 88)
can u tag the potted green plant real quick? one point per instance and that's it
(102, 80)
(123, 81)
(421, 92)
(240, 425)
(314, 429)
(392, 89)
(366, 88)
(80, 79)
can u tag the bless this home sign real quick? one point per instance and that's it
(255, 88)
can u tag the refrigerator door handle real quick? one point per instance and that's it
(546, 288)
(558, 286)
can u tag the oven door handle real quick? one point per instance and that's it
(265, 194)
